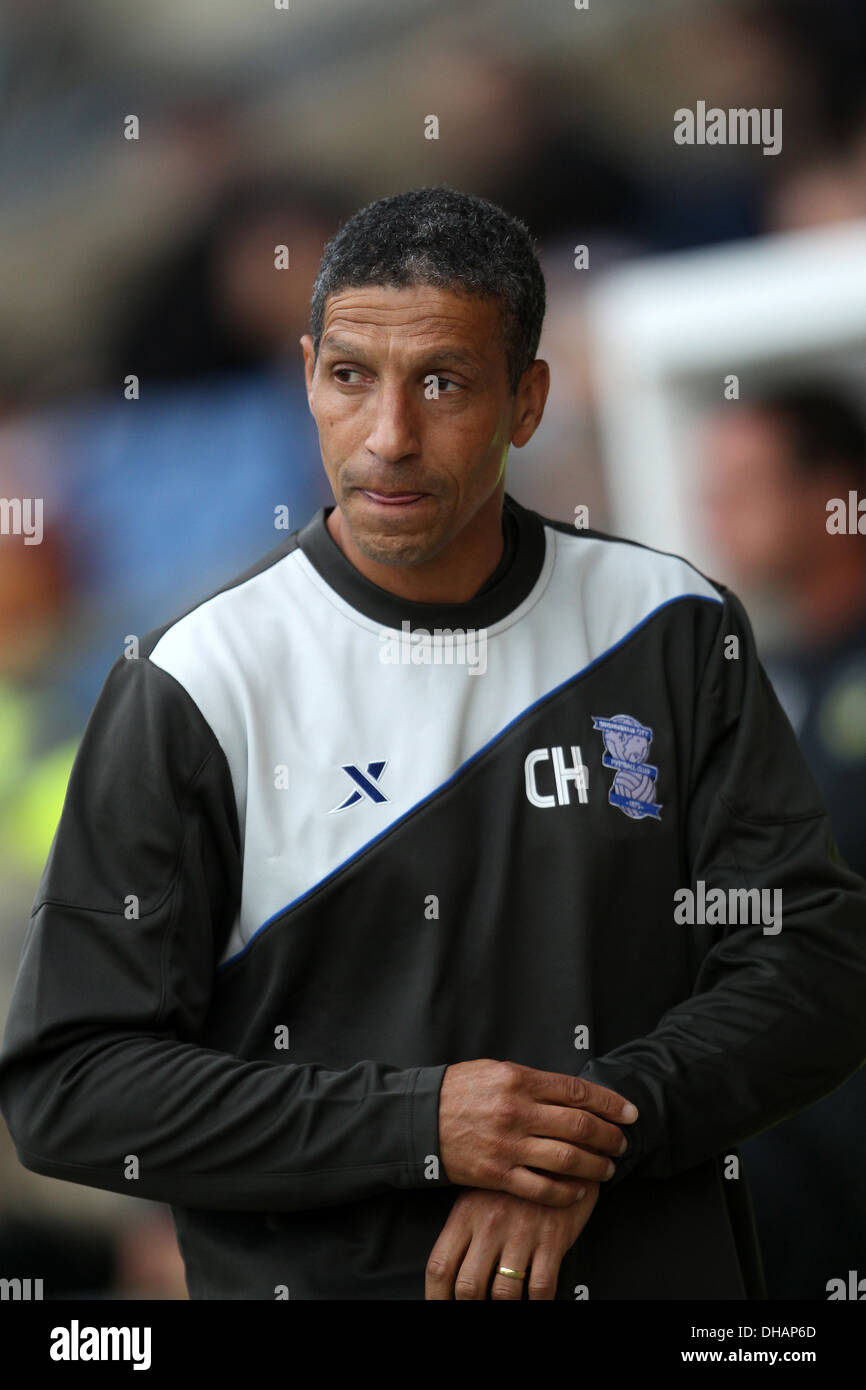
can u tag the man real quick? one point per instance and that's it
(773, 466)
(361, 934)
(780, 467)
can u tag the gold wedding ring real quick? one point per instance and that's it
(512, 1273)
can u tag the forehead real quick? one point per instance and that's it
(420, 316)
(747, 431)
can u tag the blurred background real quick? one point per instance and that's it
(706, 332)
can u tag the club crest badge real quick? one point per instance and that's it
(626, 746)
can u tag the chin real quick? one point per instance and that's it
(395, 550)
(406, 544)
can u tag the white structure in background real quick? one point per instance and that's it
(667, 332)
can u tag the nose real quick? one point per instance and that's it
(394, 431)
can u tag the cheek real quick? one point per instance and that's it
(480, 437)
(329, 421)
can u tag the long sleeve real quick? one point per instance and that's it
(776, 1019)
(102, 1081)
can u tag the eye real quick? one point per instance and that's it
(342, 372)
(447, 382)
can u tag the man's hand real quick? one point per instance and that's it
(489, 1229)
(498, 1121)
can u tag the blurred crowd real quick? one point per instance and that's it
(151, 387)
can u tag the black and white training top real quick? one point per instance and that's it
(319, 842)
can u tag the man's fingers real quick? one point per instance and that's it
(555, 1157)
(558, 1089)
(579, 1127)
(444, 1261)
(540, 1187)
(515, 1256)
(543, 1277)
(478, 1263)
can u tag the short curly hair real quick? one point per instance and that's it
(445, 238)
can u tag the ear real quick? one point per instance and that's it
(529, 402)
(309, 366)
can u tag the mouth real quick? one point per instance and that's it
(392, 499)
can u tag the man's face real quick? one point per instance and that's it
(764, 518)
(410, 470)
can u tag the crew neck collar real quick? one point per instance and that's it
(492, 603)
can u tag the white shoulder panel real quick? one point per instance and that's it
(335, 728)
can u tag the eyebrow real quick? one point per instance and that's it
(337, 347)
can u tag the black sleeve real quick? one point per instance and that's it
(776, 1020)
(100, 1063)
